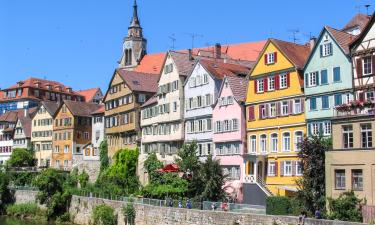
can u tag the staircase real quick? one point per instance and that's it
(262, 184)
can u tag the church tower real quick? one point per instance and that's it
(134, 46)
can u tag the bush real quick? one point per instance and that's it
(129, 213)
(83, 179)
(278, 205)
(21, 158)
(346, 207)
(26, 210)
(103, 215)
(5, 195)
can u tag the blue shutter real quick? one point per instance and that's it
(330, 46)
(324, 77)
(306, 79)
(317, 78)
(309, 129)
(338, 99)
(336, 74)
(312, 103)
(321, 50)
(320, 128)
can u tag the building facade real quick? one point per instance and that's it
(42, 132)
(71, 132)
(229, 137)
(22, 132)
(126, 92)
(328, 80)
(276, 120)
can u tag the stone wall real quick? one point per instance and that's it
(91, 167)
(81, 208)
(25, 196)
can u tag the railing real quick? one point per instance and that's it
(263, 185)
(22, 188)
(234, 207)
(355, 109)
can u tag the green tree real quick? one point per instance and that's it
(213, 180)
(5, 195)
(346, 207)
(83, 179)
(169, 185)
(151, 164)
(129, 213)
(311, 187)
(103, 215)
(21, 157)
(103, 154)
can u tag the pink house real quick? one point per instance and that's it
(229, 136)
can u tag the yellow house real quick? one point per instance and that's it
(275, 118)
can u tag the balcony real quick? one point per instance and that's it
(355, 108)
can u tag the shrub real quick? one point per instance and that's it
(129, 213)
(278, 205)
(346, 207)
(21, 157)
(5, 196)
(83, 179)
(103, 215)
(26, 210)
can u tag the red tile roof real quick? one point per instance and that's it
(137, 81)
(12, 116)
(296, 53)
(220, 69)
(151, 63)
(363, 33)
(89, 94)
(100, 110)
(342, 38)
(81, 108)
(358, 20)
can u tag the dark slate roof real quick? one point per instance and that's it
(81, 108)
(150, 101)
(26, 125)
(296, 53)
(342, 38)
(183, 63)
(138, 81)
(238, 86)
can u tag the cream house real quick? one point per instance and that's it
(42, 132)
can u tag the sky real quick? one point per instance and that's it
(78, 42)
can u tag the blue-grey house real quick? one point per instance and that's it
(328, 79)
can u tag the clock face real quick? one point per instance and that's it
(128, 44)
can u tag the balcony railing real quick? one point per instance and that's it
(355, 108)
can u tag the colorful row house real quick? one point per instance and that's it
(229, 136)
(350, 164)
(328, 79)
(276, 120)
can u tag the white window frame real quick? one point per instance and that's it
(253, 143)
(327, 49)
(271, 168)
(272, 110)
(263, 143)
(368, 64)
(260, 85)
(271, 83)
(299, 168)
(284, 107)
(297, 139)
(283, 81)
(288, 170)
(314, 128)
(312, 79)
(270, 57)
(327, 129)
(274, 142)
(286, 146)
(297, 104)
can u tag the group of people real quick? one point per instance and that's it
(189, 205)
(223, 206)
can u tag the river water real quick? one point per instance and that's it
(13, 221)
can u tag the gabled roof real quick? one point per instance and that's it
(26, 125)
(183, 63)
(342, 38)
(150, 101)
(238, 86)
(100, 110)
(219, 69)
(12, 116)
(89, 94)
(51, 107)
(296, 53)
(81, 108)
(151, 63)
(359, 20)
(138, 81)
(363, 33)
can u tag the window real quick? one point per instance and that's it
(325, 102)
(327, 49)
(234, 124)
(283, 81)
(230, 100)
(86, 135)
(218, 127)
(270, 58)
(260, 85)
(271, 169)
(208, 100)
(274, 143)
(174, 106)
(298, 138)
(271, 83)
(286, 142)
(338, 99)
(340, 179)
(272, 110)
(297, 106)
(288, 168)
(370, 96)
(366, 135)
(57, 149)
(263, 111)
(367, 65)
(327, 128)
(299, 168)
(199, 101)
(313, 79)
(57, 162)
(263, 143)
(227, 126)
(253, 144)
(66, 149)
(336, 74)
(347, 132)
(314, 127)
(357, 180)
(324, 77)
(141, 98)
(205, 78)
(284, 108)
(312, 103)
(209, 125)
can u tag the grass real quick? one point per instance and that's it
(26, 210)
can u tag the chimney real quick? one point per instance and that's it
(217, 51)
(312, 42)
(190, 54)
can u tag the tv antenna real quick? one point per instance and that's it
(367, 6)
(173, 40)
(193, 36)
(294, 33)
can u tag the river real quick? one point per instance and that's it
(13, 221)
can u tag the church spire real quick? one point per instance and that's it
(135, 21)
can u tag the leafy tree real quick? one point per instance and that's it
(83, 179)
(347, 207)
(169, 185)
(103, 215)
(121, 178)
(129, 213)
(21, 158)
(103, 154)
(151, 164)
(5, 195)
(213, 180)
(311, 187)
